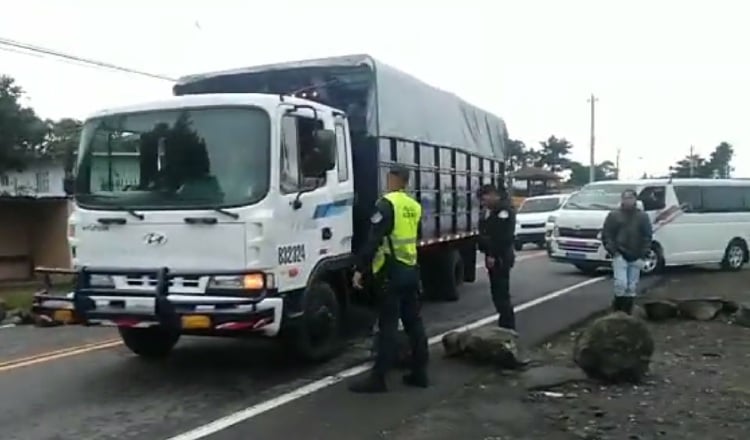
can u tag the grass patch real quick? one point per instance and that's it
(21, 296)
(18, 297)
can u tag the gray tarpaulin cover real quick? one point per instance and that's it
(404, 107)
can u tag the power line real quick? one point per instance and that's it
(35, 50)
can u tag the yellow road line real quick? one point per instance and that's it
(57, 354)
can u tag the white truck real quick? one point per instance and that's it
(234, 207)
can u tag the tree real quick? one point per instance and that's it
(20, 128)
(519, 155)
(61, 141)
(579, 173)
(691, 166)
(719, 163)
(554, 154)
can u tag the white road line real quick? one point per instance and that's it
(262, 407)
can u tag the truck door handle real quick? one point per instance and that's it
(200, 220)
(112, 220)
(326, 233)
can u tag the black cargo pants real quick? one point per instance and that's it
(399, 299)
(500, 289)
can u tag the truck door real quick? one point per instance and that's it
(307, 231)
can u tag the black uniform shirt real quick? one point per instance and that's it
(497, 232)
(381, 224)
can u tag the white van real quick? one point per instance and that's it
(695, 221)
(532, 218)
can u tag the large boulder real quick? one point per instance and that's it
(700, 309)
(660, 310)
(489, 345)
(742, 316)
(614, 348)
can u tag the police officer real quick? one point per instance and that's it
(391, 255)
(496, 234)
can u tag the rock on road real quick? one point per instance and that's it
(111, 394)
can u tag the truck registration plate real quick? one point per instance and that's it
(576, 255)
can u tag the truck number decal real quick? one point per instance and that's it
(292, 254)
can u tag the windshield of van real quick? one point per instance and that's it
(597, 197)
(188, 158)
(546, 204)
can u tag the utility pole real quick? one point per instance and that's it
(592, 160)
(617, 164)
(692, 161)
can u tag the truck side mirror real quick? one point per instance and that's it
(325, 143)
(68, 185)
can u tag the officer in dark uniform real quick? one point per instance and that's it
(496, 234)
(390, 255)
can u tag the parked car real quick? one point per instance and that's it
(533, 218)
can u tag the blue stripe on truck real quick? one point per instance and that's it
(334, 208)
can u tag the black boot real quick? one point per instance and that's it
(627, 304)
(373, 383)
(417, 379)
(617, 304)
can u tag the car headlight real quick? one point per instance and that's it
(555, 231)
(551, 219)
(599, 235)
(251, 281)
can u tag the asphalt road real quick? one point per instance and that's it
(108, 393)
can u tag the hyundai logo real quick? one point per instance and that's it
(155, 238)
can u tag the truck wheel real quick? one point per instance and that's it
(151, 343)
(453, 276)
(518, 246)
(316, 335)
(469, 259)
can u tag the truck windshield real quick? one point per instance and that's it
(179, 159)
(597, 197)
(546, 204)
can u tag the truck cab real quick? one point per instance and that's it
(234, 208)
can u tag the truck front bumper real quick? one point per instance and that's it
(217, 312)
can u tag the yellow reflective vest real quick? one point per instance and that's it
(407, 213)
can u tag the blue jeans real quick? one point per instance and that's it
(626, 274)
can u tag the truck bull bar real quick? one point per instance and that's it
(218, 309)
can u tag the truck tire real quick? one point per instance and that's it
(469, 259)
(452, 276)
(316, 335)
(149, 343)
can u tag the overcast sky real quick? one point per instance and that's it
(667, 73)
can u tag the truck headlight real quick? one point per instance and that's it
(599, 235)
(555, 231)
(251, 281)
(551, 219)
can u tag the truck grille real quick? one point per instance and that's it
(150, 281)
(579, 233)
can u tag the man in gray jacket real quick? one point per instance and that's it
(627, 236)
